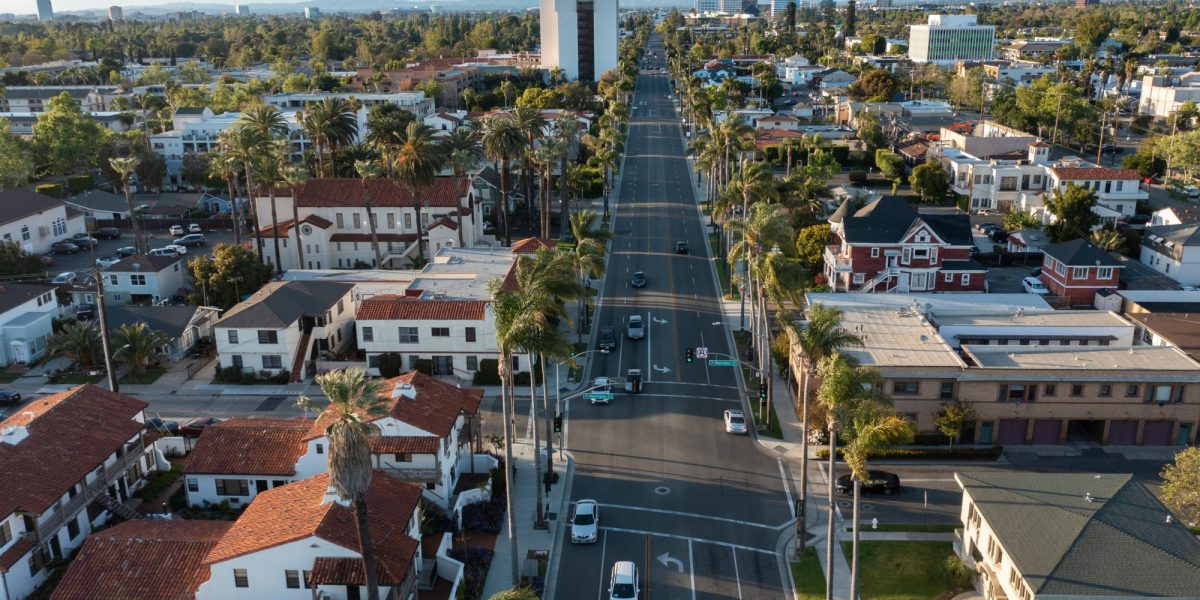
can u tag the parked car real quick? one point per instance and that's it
(180, 250)
(107, 261)
(159, 425)
(170, 250)
(195, 228)
(196, 426)
(585, 522)
(635, 330)
(107, 233)
(125, 252)
(735, 421)
(83, 240)
(9, 397)
(64, 278)
(1035, 272)
(192, 239)
(85, 312)
(681, 248)
(47, 260)
(877, 482)
(176, 230)
(639, 280)
(1033, 285)
(63, 248)
(998, 235)
(608, 339)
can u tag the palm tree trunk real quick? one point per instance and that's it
(275, 233)
(854, 543)
(364, 546)
(458, 217)
(320, 156)
(371, 226)
(296, 228)
(258, 243)
(133, 220)
(420, 228)
(539, 521)
(504, 201)
(802, 512)
(547, 421)
(830, 532)
(564, 224)
(509, 471)
(526, 168)
(233, 212)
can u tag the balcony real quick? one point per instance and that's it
(415, 475)
(91, 490)
(839, 264)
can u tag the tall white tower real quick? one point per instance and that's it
(580, 37)
(45, 11)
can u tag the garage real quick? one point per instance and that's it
(1157, 433)
(1046, 431)
(1122, 433)
(1012, 431)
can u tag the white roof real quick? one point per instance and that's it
(1048, 318)
(1077, 358)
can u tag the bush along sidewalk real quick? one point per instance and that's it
(916, 453)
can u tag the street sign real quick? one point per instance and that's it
(701, 352)
(598, 396)
(719, 362)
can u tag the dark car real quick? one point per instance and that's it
(161, 426)
(877, 482)
(63, 248)
(639, 280)
(998, 235)
(9, 397)
(192, 239)
(608, 339)
(196, 426)
(1135, 220)
(85, 312)
(681, 248)
(1035, 272)
(83, 240)
(125, 252)
(107, 233)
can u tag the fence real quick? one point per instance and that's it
(449, 568)
(1010, 259)
(163, 224)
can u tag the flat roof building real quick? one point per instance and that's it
(946, 39)
(579, 37)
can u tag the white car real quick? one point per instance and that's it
(107, 261)
(180, 250)
(601, 385)
(624, 583)
(1033, 285)
(585, 522)
(194, 228)
(735, 422)
(176, 230)
(65, 278)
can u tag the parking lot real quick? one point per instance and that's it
(84, 260)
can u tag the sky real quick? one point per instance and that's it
(30, 6)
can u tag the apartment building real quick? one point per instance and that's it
(1018, 73)
(1174, 251)
(414, 102)
(1163, 95)
(996, 184)
(27, 313)
(144, 279)
(70, 460)
(946, 39)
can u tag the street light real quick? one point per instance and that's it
(558, 392)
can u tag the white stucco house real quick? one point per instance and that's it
(453, 334)
(183, 325)
(34, 221)
(1174, 251)
(285, 326)
(27, 313)
(144, 279)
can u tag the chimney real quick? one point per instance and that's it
(404, 389)
(331, 495)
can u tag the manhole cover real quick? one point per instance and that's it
(662, 490)
(780, 449)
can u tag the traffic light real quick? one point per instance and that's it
(636, 385)
(762, 390)
(557, 423)
(690, 354)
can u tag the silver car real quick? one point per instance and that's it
(735, 422)
(635, 330)
(585, 522)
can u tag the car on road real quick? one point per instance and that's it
(9, 397)
(47, 260)
(125, 251)
(639, 280)
(196, 426)
(681, 248)
(85, 312)
(107, 261)
(176, 230)
(107, 233)
(179, 249)
(192, 239)
(877, 482)
(195, 228)
(623, 583)
(601, 385)
(63, 248)
(735, 421)
(1033, 285)
(170, 250)
(161, 426)
(83, 240)
(585, 522)
(64, 278)
(608, 339)
(634, 329)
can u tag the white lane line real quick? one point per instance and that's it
(649, 347)
(944, 480)
(692, 569)
(684, 537)
(787, 488)
(736, 575)
(689, 515)
(603, 547)
(620, 349)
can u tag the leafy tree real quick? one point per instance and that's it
(874, 43)
(1181, 485)
(1091, 31)
(517, 593)
(539, 98)
(851, 20)
(1146, 162)
(1185, 116)
(231, 272)
(16, 159)
(195, 170)
(15, 261)
(1108, 240)
(890, 164)
(929, 181)
(965, 88)
(876, 85)
(870, 131)
(951, 417)
(65, 139)
(151, 170)
(811, 243)
(1073, 208)
(1017, 221)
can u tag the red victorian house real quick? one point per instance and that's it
(887, 246)
(1076, 270)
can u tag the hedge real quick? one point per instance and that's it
(390, 364)
(487, 373)
(913, 453)
(79, 183)
(54, 190)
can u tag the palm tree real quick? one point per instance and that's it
(355, 401)
(587, 256)
(764, 227)
(78, 341)
(545, 158)
(464, 152)
(368, 170)
(136, 345)
(271, 163)
(265, 119)
(223, 167)
(418, 161)
(1108, 240)
(502, 140)
(566, 133)
(330, 123)
(125, 168)
(294, 175)
(243, 145)
(532, 125)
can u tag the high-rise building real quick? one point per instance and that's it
(947, 39)
(45, 11)
(312, 12)
(883, 3)
(1086, 3)
(778, 8)
(116, 14)
(579, 37)
(242, 10)
(703, 6)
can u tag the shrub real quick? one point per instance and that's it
(178, 500)
(475, 562)
(958, 574)
(499, 480)
(424, 365)
(931, 439)
(390, 364)
(488, 373)
(54, 190)
(857, 178)
(434, 521)
(910, 453)
(484, 517)
(158, 482)
(79, 183)
(521, 378)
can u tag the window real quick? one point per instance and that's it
(1119, 186)
(373, 361)
(193, 484)
(1017, 392)
(73, 528)
(948, 277)
(402, 457)
(470, 334)
(307, 585)
(1008, 184)
(391, 220)
(920, 253)
(233, 487)
(1131, 391)
(340, 307)
(966, 279)
(857, 278)
(407, 221)
(233, 336)
(368, 334)
(1104, 273)
(320, 448)
(60, 227)
(340, 223)
(907, 256)
(947, 392)
(137, 279)
(357, 219)
(440, 332)
(25, 233)
(1161, 393)
(874, 252)
(292, 579)
(1076, 389)
(906, 387)
(1079, 272)
(1060, 268)
(408, 335)
(472, 363)
(237, 360)
(268, 336)
(1105, 390)
(272, 361)
(5, 533)
(1049, 390)
(240, 579)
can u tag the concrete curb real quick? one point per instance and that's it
(551, 581)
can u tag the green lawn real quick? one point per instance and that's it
(714, 245)
(917, 527)
(150, 376)
(79, 378)
(810, 580)
(774, 430)
(901, 570)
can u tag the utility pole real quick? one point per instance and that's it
(101, 316)
(1100, 146)
(1170, 154)
(1058, 107)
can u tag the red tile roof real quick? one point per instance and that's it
(531, 245)
(329, 570)
(298, 510)
(1093, 173)
(390, 307)
(69, 434)
(444, 192)
(446, 222)
(142, 560)
(434, 409)
(14, 553)
(405, 444)
(285, 227)
(366, 237)
(249, 447)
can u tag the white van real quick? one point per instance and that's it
(624, 583)
(164, 252)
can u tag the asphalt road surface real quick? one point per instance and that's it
(698, 510)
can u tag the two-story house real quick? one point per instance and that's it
(888, 246)
(237, 459)
(69, 461)
(1174, 251)
(27, 313)
(34, 221)
(342, 237)
(453, 334)
(285, 326)
(144, 279)
(1117, 190)
(1076, 270)
(996, 183)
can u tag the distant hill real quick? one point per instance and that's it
(352, 6)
